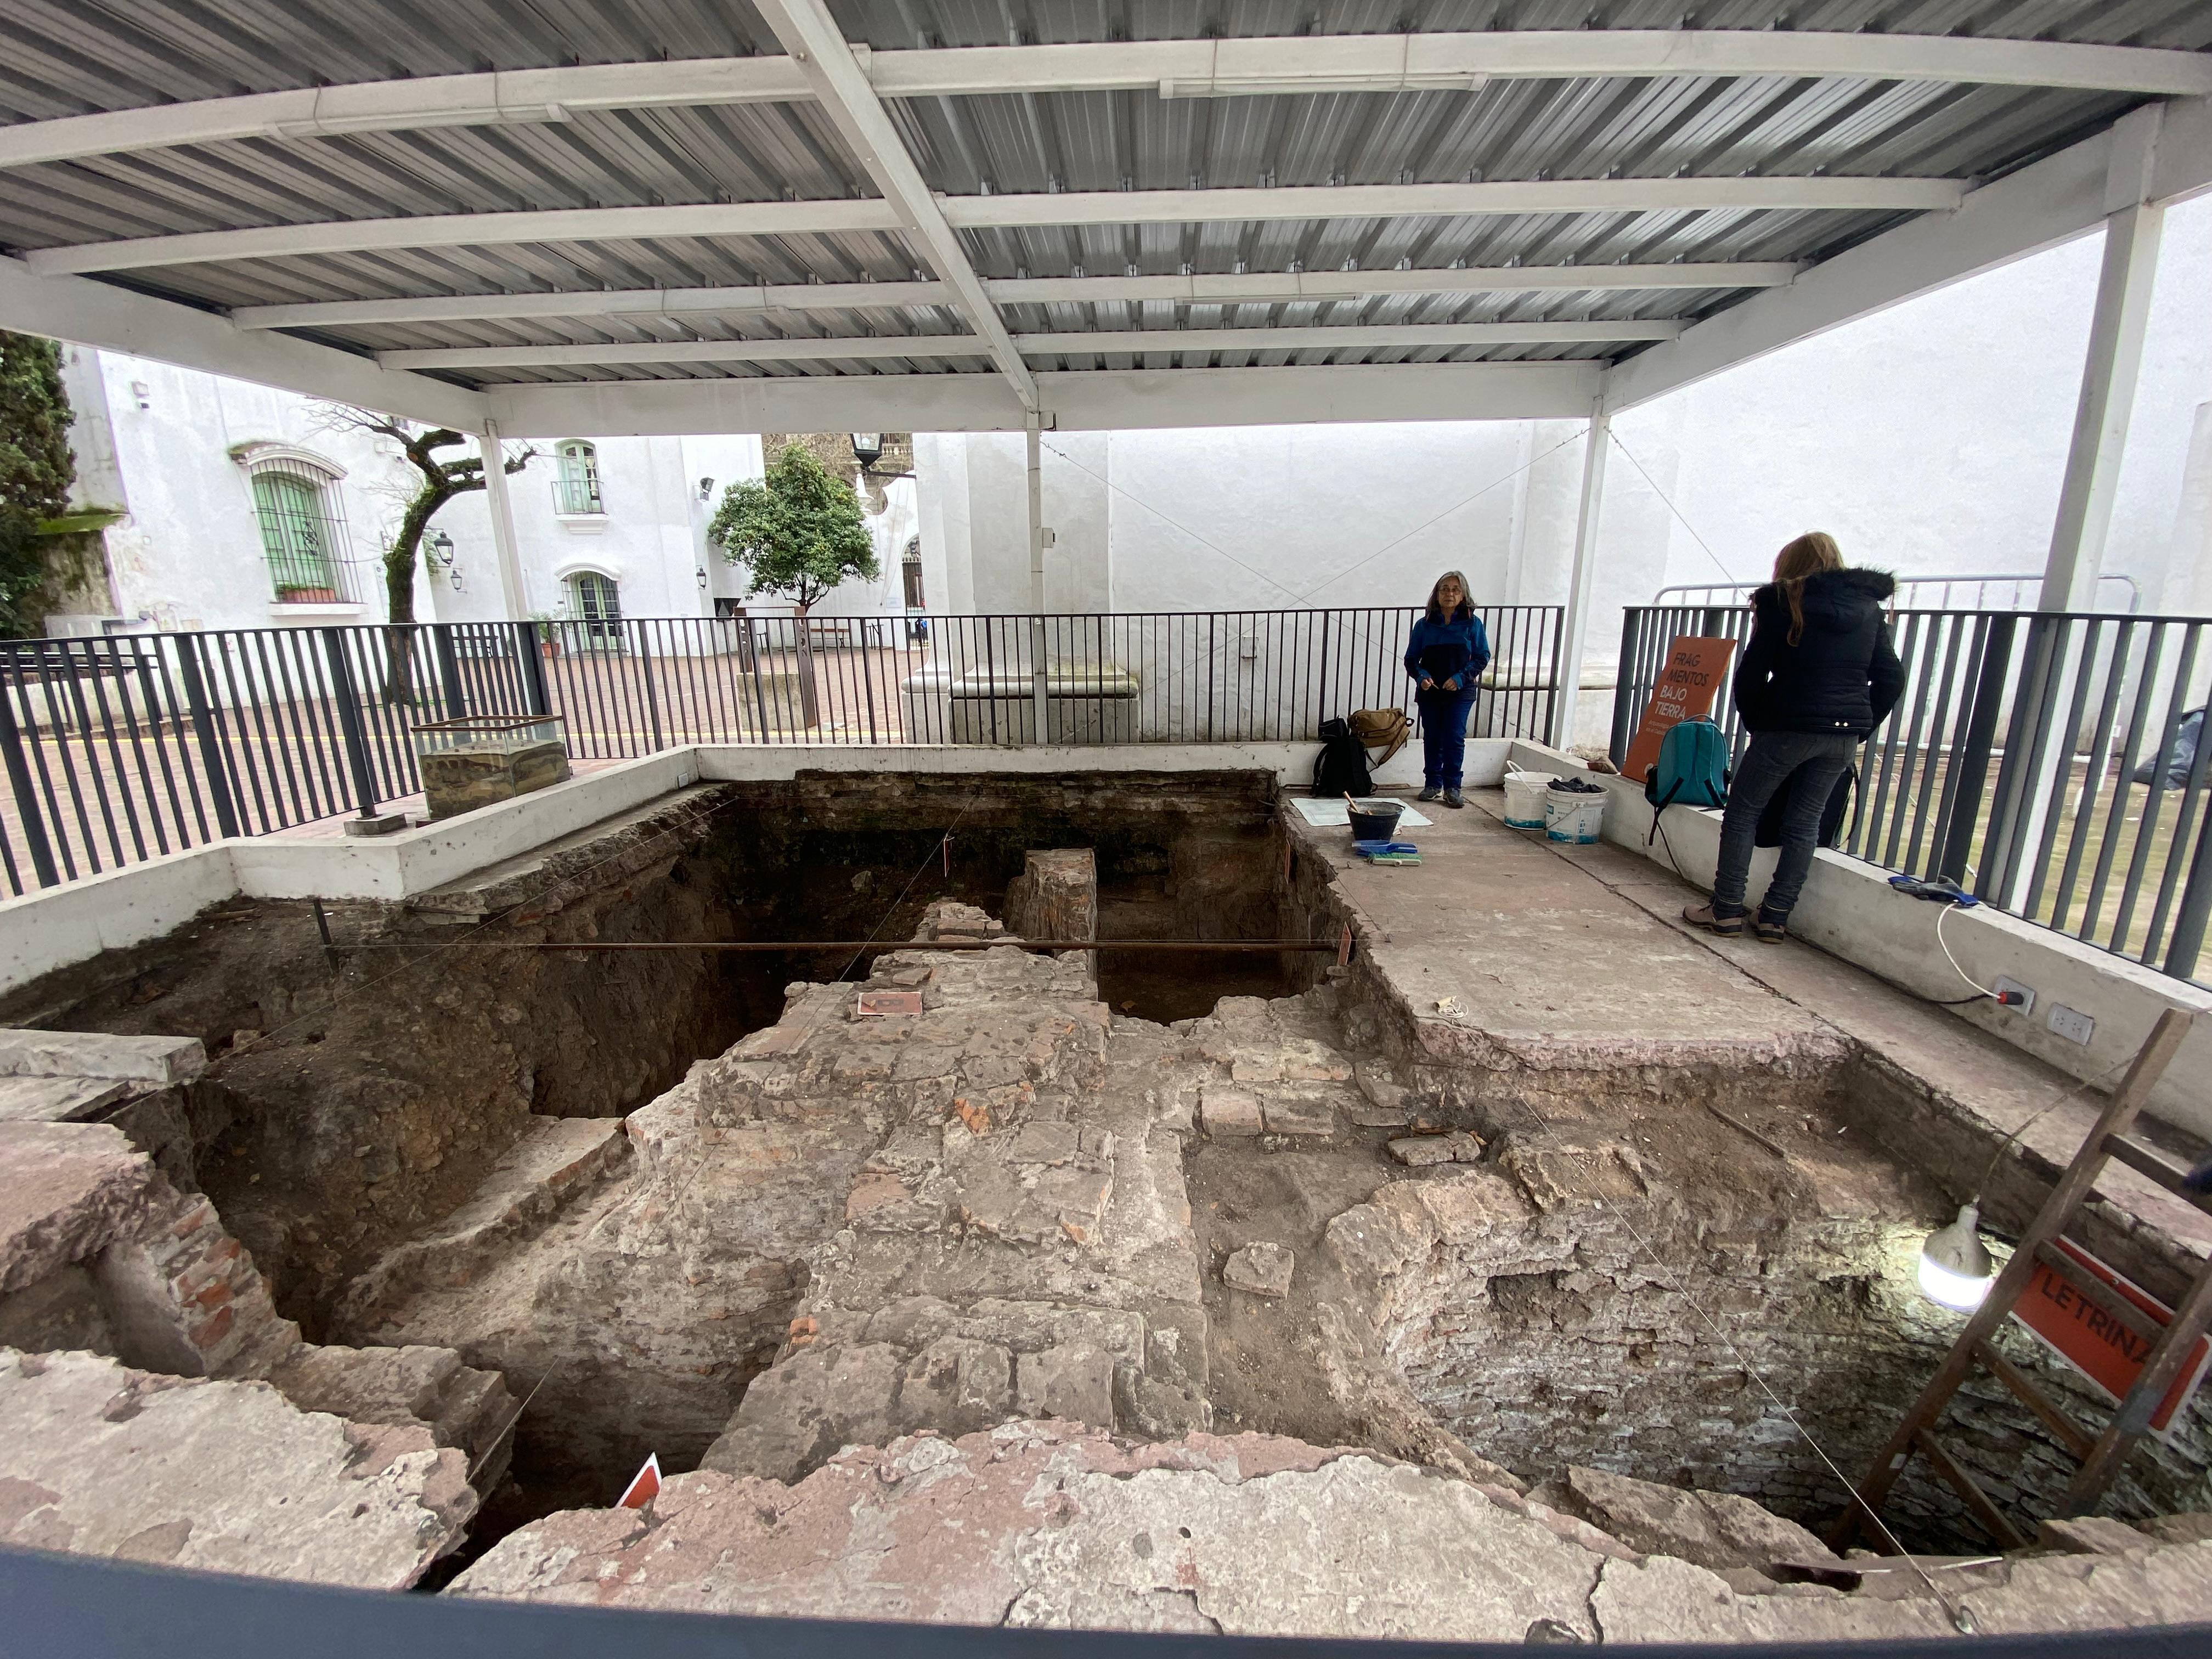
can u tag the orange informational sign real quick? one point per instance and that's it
(2097, 1345)
(1696, 670)
(644, 1486)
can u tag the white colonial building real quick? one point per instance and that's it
(244, 507)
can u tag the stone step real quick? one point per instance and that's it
(556, 1161)
(103, 1460)
(462, 1406)
(57, 1099)
(100, 1054)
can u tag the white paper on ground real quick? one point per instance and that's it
(1323, 813)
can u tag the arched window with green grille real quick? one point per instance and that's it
(299, 536)
(595, 601)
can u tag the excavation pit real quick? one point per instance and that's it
(705, 1206)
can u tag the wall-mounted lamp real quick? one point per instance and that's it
(442, 550)
(702, 578)
(867, 448)
(705, 489)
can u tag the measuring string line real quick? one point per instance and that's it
(860, 946)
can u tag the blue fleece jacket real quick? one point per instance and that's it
(1456, 648)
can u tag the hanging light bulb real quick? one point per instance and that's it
(1955, 1269)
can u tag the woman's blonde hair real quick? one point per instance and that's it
(1808, 556)
(1466, 596)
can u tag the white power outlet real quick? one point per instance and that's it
(2025, 993)
(2072, 1024)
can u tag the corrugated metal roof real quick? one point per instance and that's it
(67, 58)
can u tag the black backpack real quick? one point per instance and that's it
(1341, 768)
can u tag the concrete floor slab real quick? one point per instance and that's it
(1998, 1087)
(1540, 957)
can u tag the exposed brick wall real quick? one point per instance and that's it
(186, 1298)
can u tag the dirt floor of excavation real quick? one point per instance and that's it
(1264, 1373)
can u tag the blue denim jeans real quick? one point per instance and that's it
(1807, 764)
(1443, 736)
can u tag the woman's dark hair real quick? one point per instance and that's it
(1808, 556)
(1465, 597)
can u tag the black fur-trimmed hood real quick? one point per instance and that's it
(1837, 585)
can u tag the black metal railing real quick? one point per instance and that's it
(577, 497)
(2046, 761)
(126, 747)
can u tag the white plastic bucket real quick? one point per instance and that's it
(1524, 799)
(1572, 816)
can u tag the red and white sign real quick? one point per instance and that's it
(644, 1486)
(1696, 670)
(875, 1005)
(2097, 1345)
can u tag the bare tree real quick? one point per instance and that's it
(441, 480)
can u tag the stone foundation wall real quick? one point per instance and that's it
(346, 1109)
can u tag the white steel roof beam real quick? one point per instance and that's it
(934, 216)
(1257, 286)
(816, 43)
(1078, 342)
(470, 230)
(1155, 207)
(1092, 400)
(2057, 198)
(113, 319)
(1176, 67)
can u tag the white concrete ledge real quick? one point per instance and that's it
(416, 860)
(1291, 763)
(58, 926)
(1849, 909)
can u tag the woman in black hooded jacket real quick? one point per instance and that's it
(1818, 675)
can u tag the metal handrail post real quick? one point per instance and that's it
(449, 670)
(1962, 804)
(27, 794)
(529, 665)
(342, 692)
(1622, 710)
(213, 761)
(651, 700)
(2187, 942)
(2034, 700)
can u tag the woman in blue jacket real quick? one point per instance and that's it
(1446, 657)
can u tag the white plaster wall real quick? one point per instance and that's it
(941, 501)
(1293, 516)
(188, 555)
(1257, 519)
(1931, 437)
(889, 531)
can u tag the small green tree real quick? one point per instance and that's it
(797, 531)
(36, 471)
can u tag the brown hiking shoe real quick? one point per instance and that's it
(1701, 915)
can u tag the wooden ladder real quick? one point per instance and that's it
(2100, 1455)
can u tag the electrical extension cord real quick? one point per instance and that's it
(1945, 892)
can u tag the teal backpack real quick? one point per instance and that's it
(1692, 769)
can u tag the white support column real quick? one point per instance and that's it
(1568, 673)
(511, 596)
(2117, 331)
(1032, 428)
(2034, 787)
